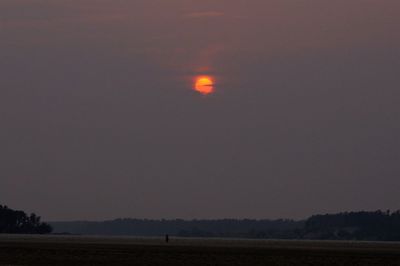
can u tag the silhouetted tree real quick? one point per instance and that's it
(17, 222)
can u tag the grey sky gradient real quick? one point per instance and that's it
(98, 118)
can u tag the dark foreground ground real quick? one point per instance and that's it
(60, 250)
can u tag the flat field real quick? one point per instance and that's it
(80, 250)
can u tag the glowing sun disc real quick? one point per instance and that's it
(204, 85)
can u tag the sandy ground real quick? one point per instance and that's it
(98, 250)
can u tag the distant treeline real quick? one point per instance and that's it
(373, 226)
(193, 228)
(18, 222)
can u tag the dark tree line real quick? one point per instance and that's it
(245, 228)
(375, 226)
(18, 222)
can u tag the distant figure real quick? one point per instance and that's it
(166, 238)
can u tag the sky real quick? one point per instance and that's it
(100, 119)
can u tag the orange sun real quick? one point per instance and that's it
(204, 85)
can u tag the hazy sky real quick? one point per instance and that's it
(99, 119)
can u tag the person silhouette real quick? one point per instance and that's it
(166, 238)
